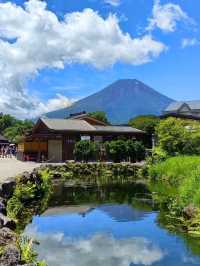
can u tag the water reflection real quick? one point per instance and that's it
(105, 226)
(98, 249)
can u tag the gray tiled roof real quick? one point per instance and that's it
(118, 129)
(174, 106)
(82, 125)
(67, 124)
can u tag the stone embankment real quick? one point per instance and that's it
(9, 250)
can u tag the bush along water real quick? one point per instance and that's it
(115, 150)
(175, 185)
(29, 196)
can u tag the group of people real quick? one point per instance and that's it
(7, 151)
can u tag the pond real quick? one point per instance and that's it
(107, 226)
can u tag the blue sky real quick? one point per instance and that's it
(173, 69)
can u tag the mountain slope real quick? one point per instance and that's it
(121, 101)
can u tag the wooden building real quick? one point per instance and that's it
(53, 140)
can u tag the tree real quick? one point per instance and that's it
(146, 123)
(16, 132)
(85, 150)
(6, 121)
(173, 135)
(99, 115)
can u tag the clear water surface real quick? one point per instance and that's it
(108, 234)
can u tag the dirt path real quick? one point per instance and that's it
(11, 167)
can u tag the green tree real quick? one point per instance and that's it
(85, 150)
(15, 132)
(146, 123)
(99, 115)
(173, 135)
(6, 121)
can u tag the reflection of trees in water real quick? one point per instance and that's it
(118, 193)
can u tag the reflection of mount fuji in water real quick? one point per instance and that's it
(122, 212)
(118, 212)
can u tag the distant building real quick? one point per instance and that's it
(54, 139)
(187, 109)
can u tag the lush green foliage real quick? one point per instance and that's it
(6, 121)
(14, 129)
(135, 150)
(122, 150)
(175, 184)
(158, 155)
(27, 253)
(30, 196)
(174, 169)
(172, 135)
(99, 115)
(176, 136)
(85, 150)
(182, 173)
(116, 150)
(145, 122)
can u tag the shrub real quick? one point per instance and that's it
(158, 155)
(131, 151)
(85, 150)
(135, 150)
(139, 150)
(116, 150)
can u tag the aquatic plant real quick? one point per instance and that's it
(27, 253)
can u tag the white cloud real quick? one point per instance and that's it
(99, 249)
(166, 16)
(52, 104)
(189, 42)
(113, 2)
(32, 38)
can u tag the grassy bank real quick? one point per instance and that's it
(175, 184)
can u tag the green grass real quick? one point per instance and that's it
(181, 173)
(175, 169)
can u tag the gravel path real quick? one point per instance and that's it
(9, 168)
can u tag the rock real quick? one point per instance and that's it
(57, 175)
(7, 222)
(7, 189)
(189, 211)
(11, 256)
(2, 206)
(7, 236)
